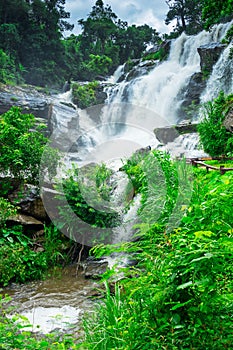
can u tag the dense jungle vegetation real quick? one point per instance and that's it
(33, 48)
(179, 295)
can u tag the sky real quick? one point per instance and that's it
(151, 12)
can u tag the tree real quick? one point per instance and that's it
(216, 11)
(132, 41)
(99, 27)
(31, 32)
(21, 148)
(187, 14)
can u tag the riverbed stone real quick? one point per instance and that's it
(170, 133)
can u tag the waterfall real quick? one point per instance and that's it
(221, 78)
(161, 89)
(136, 106)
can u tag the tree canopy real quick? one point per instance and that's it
(187, 14)
(34, 50)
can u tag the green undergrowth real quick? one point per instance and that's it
(25, 256)
(179, 295)
(20, 258)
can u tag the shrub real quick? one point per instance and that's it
(22, 147)
(214, 137)
(84, 95)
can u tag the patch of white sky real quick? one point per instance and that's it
(151, 12)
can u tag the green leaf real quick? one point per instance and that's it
(184, 285)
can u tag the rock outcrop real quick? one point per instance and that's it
(190, 96)
(170, 133)
(209, 55)
(27, 98)
(27, 198)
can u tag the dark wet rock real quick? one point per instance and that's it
(143, 150)
(66, 86)
(170, 133)
(141, 69)
(190, 95)
(100, 94)
(162, 49)
(128, 66)
(153, 49)
(166, 47)
(209, 55)
(166, 134)
(94, 268)
(27, 198)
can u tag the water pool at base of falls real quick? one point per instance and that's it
(58, 303)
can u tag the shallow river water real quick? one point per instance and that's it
(58, 302)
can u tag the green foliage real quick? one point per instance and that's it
(19, 262)
(188, 15)
(22, 148)
(84, 95)
(158, 55)
(156, 178)
(6, 210)
(216, 12)
(179, 296)
(30, 33)
(19, 259)
(214, 137)
(8, 73)
(35, 51)
(87, 192)
(99, 64)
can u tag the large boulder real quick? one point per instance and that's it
(209, 55)
(27, 98)
(170, 133)
(27, 198)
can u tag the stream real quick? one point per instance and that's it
(58, 302)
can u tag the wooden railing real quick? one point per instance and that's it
(201, 162)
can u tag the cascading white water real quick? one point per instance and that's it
(221, 78)
(160, 90)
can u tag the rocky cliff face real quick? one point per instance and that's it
(209, 55)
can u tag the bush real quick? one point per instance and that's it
(84, 95)
(214, 137)
(22, 147)
(87, 192)
(8, 71)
